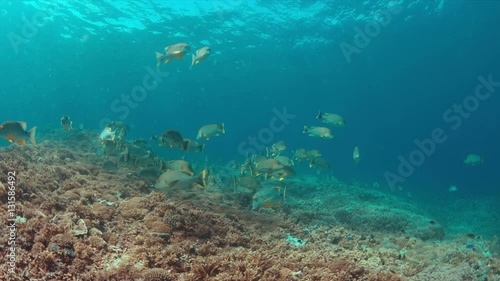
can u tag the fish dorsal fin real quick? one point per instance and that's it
(23, 125)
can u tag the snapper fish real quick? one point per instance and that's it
(16, 131)
(66, 123)
(313, 154)
(473, 159)
(121, 128)
(269, 197)
(173, 138)
(276, 149)
(331, 118)
(320, 132)
(210, 130)
(107, 135)
(355, 155)
(176, 51)
(176, 180)
(193, 146)
(285, 160)
(180, 165)
(268, 166)
(201, 54)
(246, 185)
(286, 172)
(300, 155)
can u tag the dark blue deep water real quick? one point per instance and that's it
(394, 86)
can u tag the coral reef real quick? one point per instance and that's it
(80, 221)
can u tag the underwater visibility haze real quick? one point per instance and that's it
(250, 140)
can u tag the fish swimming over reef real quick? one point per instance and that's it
(173, 138)
(313, 154)
(16, 131)
(276, 149)
(473, 159)
(300, 155)
(179, 165)
(175, 180)
(107, 135)
(246, 185)
(193, 146)
(211, 130)
(331, 118)
(268, 166)
(201, 54)
(286, 172)
(66, 123)
(176, 51)
(320, 132)
(121, 128)
(285, 160)
(269, 197)
(355, 155)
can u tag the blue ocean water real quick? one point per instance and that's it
(393, 83)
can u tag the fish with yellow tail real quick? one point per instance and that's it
(355, 155)
(331, 118)
(269, 197)
(66, 123)
(107, 134)
(16, 131)
(172, 180)
(320, 132)
(246, 185)
(175, 51)
(210, 130)
(276, 149)
(201, 54)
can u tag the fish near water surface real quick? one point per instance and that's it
(201, 54)
(175, 51)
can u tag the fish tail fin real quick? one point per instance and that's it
(193, 60)
(185, 145)
(284, 194)
(320, 115)
(203, 177)
(202, 147)
(305, 129)
(251, 171)
(221, 128)
(32, 133)
(159, 58)
(268, 152)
